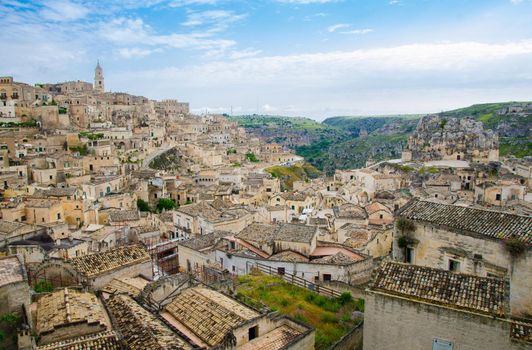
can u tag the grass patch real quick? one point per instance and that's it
(331, 317)
(289, 174)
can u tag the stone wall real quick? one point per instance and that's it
(396, 323)
(437, 245)
(13, 296)
(144, 269)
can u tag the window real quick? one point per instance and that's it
(439, 344)
(498, 197)
(233, 268)
(58, 216)
(410, 255)
(280, 270)
(454, 265)
(381, 216)
(253, 332)
(326, 277)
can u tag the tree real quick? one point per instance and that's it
(166, 204)
(252, 157)
(405, 226)
(142, 205)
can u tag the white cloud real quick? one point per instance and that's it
(63, 10)
(307, 2)
(394, 2)
(135, 52)
(335, 27)
(218, 20)
(236, 55)
(357, 31)
(135, 31)
(268, 108)
(408, 77)
(181, 3)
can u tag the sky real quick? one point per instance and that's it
(311, 58)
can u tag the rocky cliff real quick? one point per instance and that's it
(440, 138)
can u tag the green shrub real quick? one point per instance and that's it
(405, 225)
(328, 318)
(252, 157)
(301, 319)
(361, 305)
(515, 247)
(345, 298)
(43, 287)
(82, 150)
(345, 318)
(166, 204)
(143, 205)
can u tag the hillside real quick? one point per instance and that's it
(298, 172)
(348, 141)
(511, 120)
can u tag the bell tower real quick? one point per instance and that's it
(98, 78)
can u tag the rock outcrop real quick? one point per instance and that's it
(438, 138)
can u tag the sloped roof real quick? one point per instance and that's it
(209, 314)
(96, 264)
(204, 241)
(107, 340)
(140, 328)
(124, 215)
(487, 223)
(67, 307)
(468, 292)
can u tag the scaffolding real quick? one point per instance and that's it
(164, 257)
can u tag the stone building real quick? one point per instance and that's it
(470, 240)
(99, 83)
(96, 270)
(14, 288)
(213, 320)
(69, 314)
(416, 307)
(256, 245)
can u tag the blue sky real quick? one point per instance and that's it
(314, 58)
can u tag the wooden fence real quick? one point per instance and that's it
(296, 280)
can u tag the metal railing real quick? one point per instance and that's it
(297, 281)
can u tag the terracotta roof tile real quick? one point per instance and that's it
(488, 223)
(96, 264)
(140, 328)
(480, 294)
